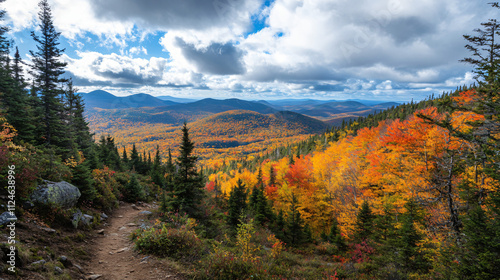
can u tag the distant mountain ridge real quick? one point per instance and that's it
(217, 106)
(331, 112)
(105, 100)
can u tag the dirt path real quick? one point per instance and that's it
(114, 257)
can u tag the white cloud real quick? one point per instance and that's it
(116, 69)
(138, 50)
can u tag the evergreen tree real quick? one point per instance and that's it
(295, 228)
(260, 180)
(82, 178)
(237, 204)
(13, 96)
(47, 70)
(77, 125)
(125, 159)
(157, 171)
(19, 113)
(280, 227)
(260, 206)
(5, 43)
(170, 172)
(480, 258)
(409, 256)
(134, 159)
(187, 182)
(335, 237)
(133, 190)
(364, 222)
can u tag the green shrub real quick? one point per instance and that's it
(178, 243)
(222, 264)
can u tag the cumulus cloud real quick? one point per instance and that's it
(174, 14)
(217, 58)
(115, 69)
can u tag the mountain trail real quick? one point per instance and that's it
(113, 257)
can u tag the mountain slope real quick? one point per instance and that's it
(176, 99)
(238, 122)
(105, 100)
(218, 106)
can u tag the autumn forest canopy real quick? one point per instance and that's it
(409, 192)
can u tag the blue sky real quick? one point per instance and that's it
(391, 50)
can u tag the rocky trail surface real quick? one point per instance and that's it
(113, 257)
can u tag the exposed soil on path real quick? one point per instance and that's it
(113, 257)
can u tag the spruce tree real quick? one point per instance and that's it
(364, 222)
(78, 126)
(187, 182)
(335, 237)
(125, 159)
(47, 69)
(133, 190)
(237, 204)
(280, 227)
(134, 159)
(13, 96)
(295, 227)
(409, 256)
(157, 170)
(170, 172)
(260, 206)
(82, 178)
(480, 256)
(5, 43)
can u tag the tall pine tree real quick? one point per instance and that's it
(187, 182)
(47, 70)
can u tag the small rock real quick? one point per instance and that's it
(79, 268)
(38, 262)
(7, 217)
(76, 218)
(58, 270)
(135, 207)
(65, 261)
(51, 230)
(145, 259)
(87, 219)
(111, 253)
(122, 250)
(103, 216)
(95, 276)
(122, 228)
(101, 231)
(131, 225)
(145, 213)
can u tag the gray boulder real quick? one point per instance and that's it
(61, 194)
(7, 217)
